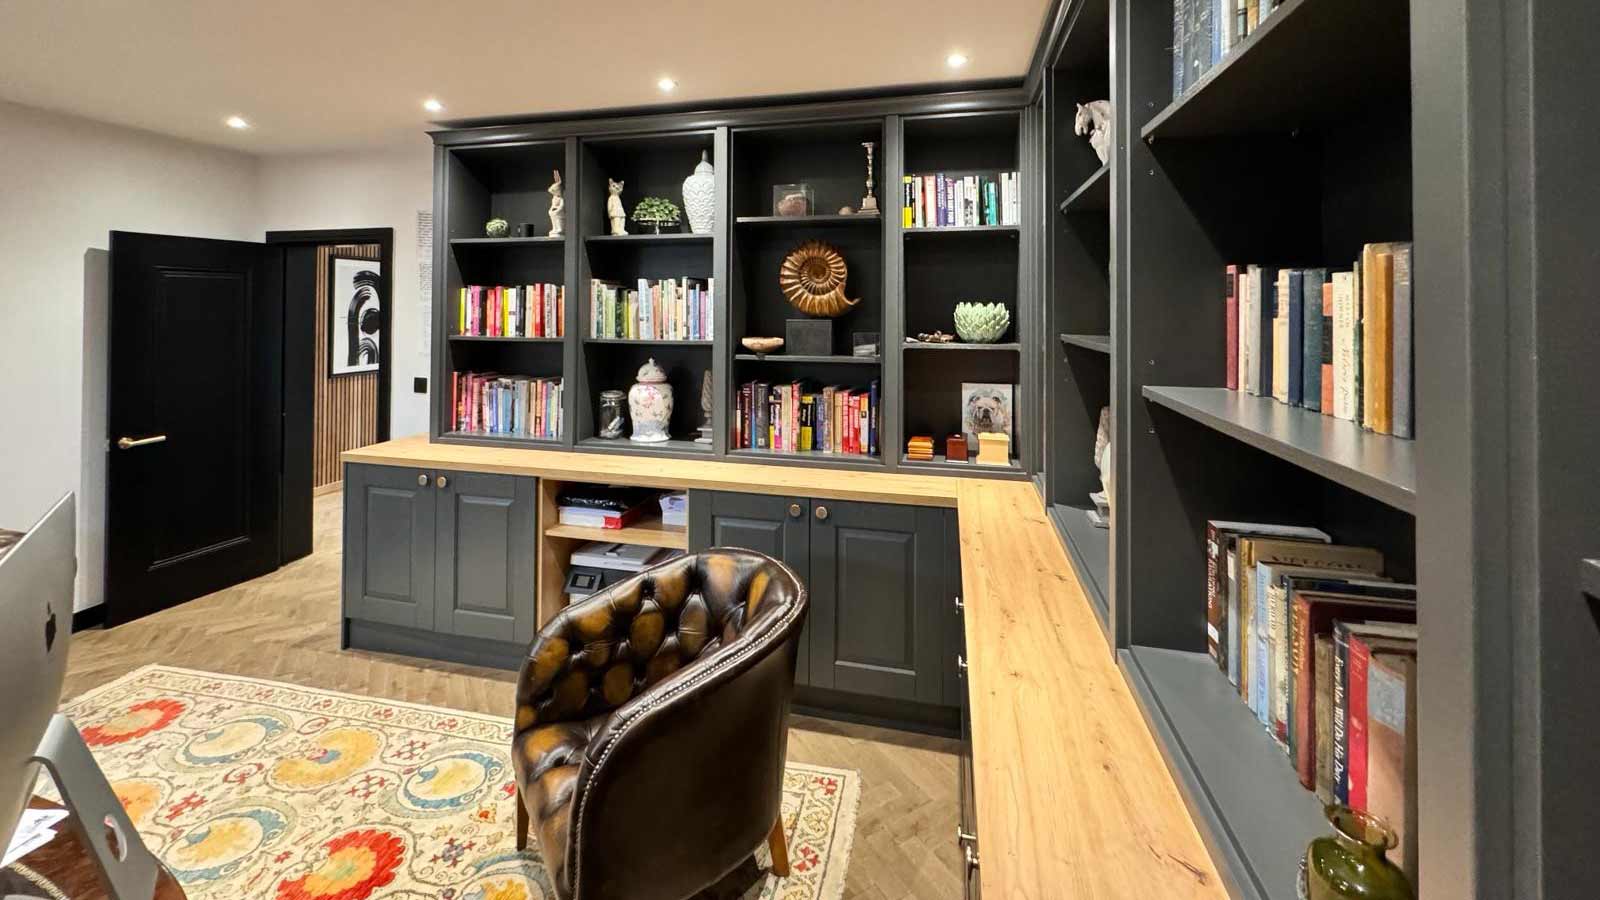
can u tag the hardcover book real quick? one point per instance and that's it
(1280, 581)
(1327, 348)
(1230, 305)
(1363, 641)
(1402, 399)
(1312, 281)
(1377, 311)
(1321, 741)
(1252, 621)
(1392, 751)
(1280, 338)
(1295, 337)
(1220, 535)
(1344, 346)
(1349, 742)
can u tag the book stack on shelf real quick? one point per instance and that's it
(802, 418)
(1334, 342)
(1204, 32)
(524, 310)
(1322, 649)
(960, 201)
(665, 310)
(509, 405)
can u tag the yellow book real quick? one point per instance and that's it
(906, 212)
(461, 313)
(1377, 323)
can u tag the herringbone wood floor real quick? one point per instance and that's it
(285, 626)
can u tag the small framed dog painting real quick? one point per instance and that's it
(985, 408)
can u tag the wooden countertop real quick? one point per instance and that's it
(1074, 800)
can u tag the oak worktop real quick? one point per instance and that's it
(1074, 800)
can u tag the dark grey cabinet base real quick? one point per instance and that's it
(440, 564)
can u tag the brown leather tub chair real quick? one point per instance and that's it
(651, 727)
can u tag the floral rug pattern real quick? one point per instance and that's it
(248, 788)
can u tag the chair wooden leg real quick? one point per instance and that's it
(780, 850)
(522, 821)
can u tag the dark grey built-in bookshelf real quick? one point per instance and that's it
(908, 280)
(1333, 124)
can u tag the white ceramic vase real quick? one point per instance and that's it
(650, 404)
(700, 197)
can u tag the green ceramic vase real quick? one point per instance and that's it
(1350, 864)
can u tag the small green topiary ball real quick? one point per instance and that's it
(497, 228)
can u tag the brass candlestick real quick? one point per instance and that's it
(869, 203)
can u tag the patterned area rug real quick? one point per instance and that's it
(248, 788)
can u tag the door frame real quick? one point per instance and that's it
(299, 411)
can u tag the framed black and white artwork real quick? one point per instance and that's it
(355, 315)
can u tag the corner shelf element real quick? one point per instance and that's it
(1094, 195)
(1380, 466)
(1251, 810)
(954, 345)
(649, 532)
(506, 241)
(1099, 343)
(803, 358)
(1315, 47)
(819, 221)
(962, 229)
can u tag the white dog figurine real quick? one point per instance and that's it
(1094, 119)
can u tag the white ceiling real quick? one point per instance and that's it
(314, 75)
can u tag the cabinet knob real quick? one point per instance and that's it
(422, 479)
(794, 510)
(959, 605)
(961, 665)
(964, 837)
(441, 482)
(822, 513)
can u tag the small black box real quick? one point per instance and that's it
(808, 337)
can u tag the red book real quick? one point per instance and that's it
(1356, 727)
(1231, 304)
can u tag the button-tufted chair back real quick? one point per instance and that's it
(651, 725)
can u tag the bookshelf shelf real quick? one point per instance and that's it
(811, 457)
(1099, 343)
(819, 221)
(962, 229)
(1094, 195)
(507, 340)
(648, 342)
(648, 532)
(498, 440)
(623, 445)
(1089, 549)
(675, 237)
(1316, 47)
(1382, 467)
(1226, 767)
(939, 463)
(803, 358)
(540, 241)
(953, 345)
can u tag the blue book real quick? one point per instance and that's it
(1180, 15)
(1296, 348)
(1259, 629)
(1311, 338)
(1268, 305)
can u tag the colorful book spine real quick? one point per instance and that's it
(1326, 328)
(1294, 343)
(1401, 398)
(1358, 657)
(1312, 281)
(1230, 305)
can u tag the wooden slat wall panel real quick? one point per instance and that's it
(346, 408)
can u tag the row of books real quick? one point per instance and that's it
(679, 309)
(522, 310)
(1322, 648)
(512, 405)
(1204, 32)
(940, 200)
(1334, 342)
(800, 417)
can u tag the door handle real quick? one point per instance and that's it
(961, 665)
(128, 443)
(822, 514)
(963, 837)
(959, 605)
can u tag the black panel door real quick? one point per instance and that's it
(776, 526)
(389, 536)
(195, 442)
(485, 559)
(877, 575)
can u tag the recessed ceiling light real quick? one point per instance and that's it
(956, 60)
(666, 84)
(433, 105)
(238, 122)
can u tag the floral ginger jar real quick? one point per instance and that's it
(650, 404)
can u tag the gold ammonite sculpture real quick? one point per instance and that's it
(812, 277)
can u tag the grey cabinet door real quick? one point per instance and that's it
(877, 578)
(389, 541)
(486, 550)
(776, 526)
